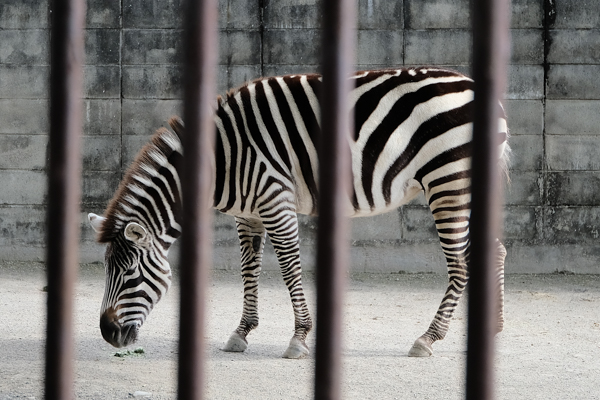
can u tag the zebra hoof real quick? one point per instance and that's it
(297, 349)
(236, 343)
(421, 348)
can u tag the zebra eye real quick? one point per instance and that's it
(131, 268)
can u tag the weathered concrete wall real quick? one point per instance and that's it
(132, 85)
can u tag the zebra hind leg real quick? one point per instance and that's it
(282, 228)
(457, 281)
(451, 211)
(458, 278)
(500, 256)
(252, 241)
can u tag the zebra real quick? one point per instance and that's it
(412, 134)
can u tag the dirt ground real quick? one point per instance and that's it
(550, 347)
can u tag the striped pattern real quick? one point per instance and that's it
(412, 134)
(139, 228)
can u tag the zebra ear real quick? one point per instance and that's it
(96, 221)
(135, 232)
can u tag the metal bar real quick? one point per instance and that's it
(339, 22)
(490, 55)
(64, 171)
(200, 52)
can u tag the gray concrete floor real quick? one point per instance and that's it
(550, 347)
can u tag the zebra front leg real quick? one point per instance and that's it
(252, 241)
(282, 228)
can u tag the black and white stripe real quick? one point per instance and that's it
(412, 134)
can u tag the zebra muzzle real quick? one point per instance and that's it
(119, 335)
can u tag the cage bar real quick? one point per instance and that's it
(490, 55)
(339, 22)
(200, 54)
(64, 193)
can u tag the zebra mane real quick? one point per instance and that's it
(150, 159)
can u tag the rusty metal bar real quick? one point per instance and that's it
(64, 181)
(339, 22)
(490, 56)
(199, 75)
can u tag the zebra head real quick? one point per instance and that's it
(137, 276)
(138, 228)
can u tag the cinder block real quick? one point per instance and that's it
(22, 226)
(419, 201)
(292, 14)
(401, 257)
(380, 47)
(239, 48)
(572, 224)
(437, 14)
(521, 223)
(102, 153)
(525, 82)
(573, 188)
(102, 117)
(292, 46)
(574, 82)
(23, 14)
(23, 81)
(527, 14)
(383, 227)
(572, 14)
(153, 14)
(151, 46)
(23, 187)
(286, 69)
(308, 227)
(103, 14)
(102, 82)
(144, 117)
(418, 224)
(26, 152)
(23, 116)
(572, 117)
(527, 152)
(574, 46)
(579, 258)
(565, 152)
(438, 47)
(102, 46)
(524, 189)
(239, 14)
(380, 15)
(24, 47)
(224, 230)
(525, 117)
(527, 46)
(130, 147)
(98, 187)
(232, 76)
(147, 82)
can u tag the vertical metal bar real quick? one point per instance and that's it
(339, 21)
(200, 53)
(64, 170)
(490, 55)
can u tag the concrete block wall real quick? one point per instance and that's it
(133, 84)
